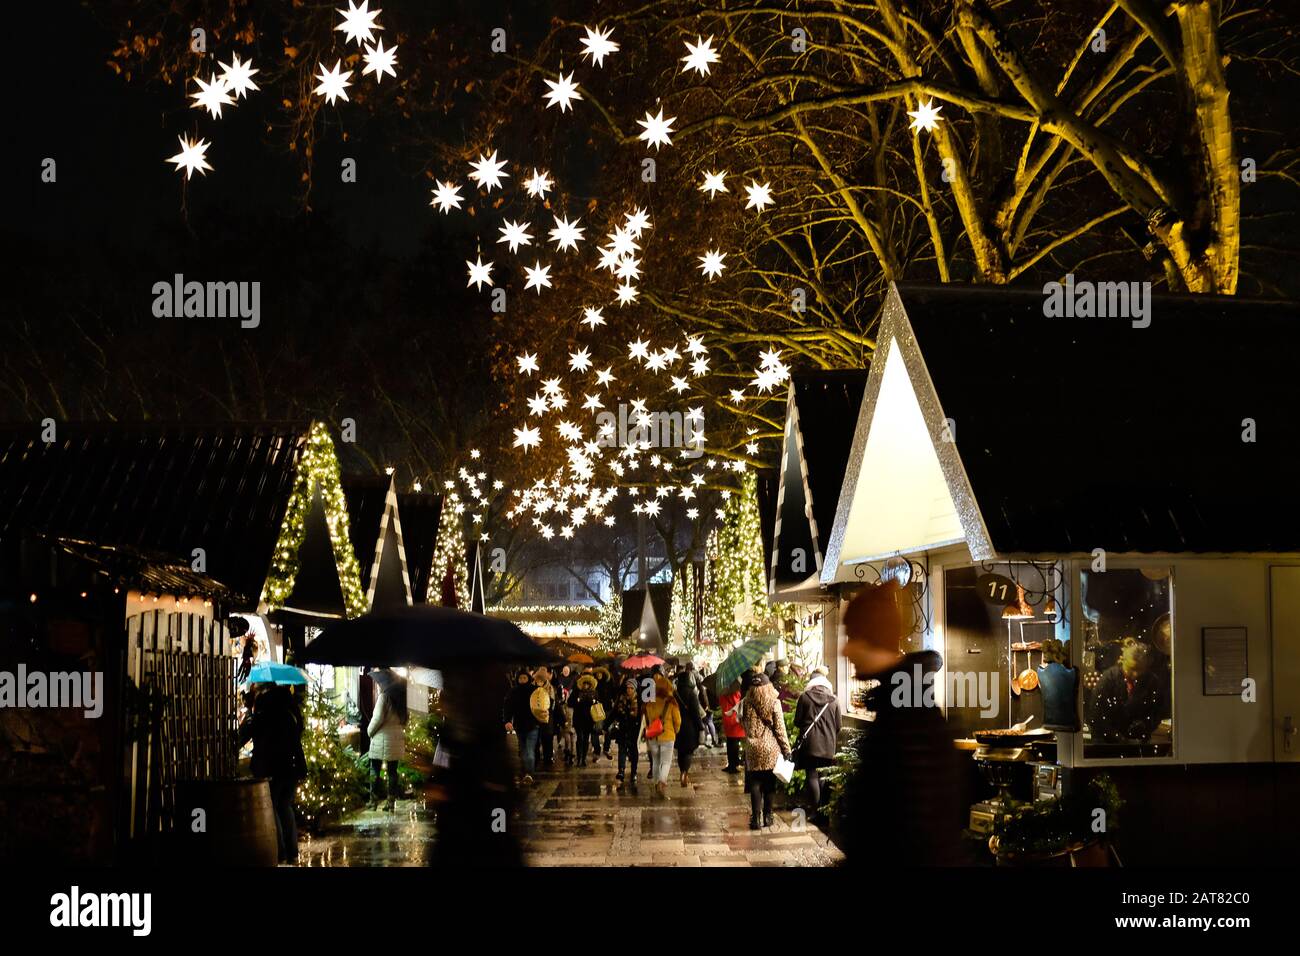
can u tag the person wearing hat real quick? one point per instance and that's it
(625, 726)
(545, 750)
(902, 803)
(519, 719)
(817, 717)
(766, 740)
(662, 719)
(583, 699)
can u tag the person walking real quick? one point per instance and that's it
(663, 719)
(584, 699)
(903, 801)
(765, 740)
(606, 691)
(565, 735)
(387, 733)
(732, 728)
(546, 728)
(707, 703)
(817, 716)
(520, 719)
(275, 726)
(688, 738)
(625, 714)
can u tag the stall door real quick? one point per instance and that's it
(1285, 590)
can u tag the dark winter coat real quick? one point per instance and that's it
(625, 718)
(517, 709)
(818, 736)
(275, 727)
(581, 702)
(903, 802)
(688, 738)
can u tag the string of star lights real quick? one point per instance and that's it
(318, 472)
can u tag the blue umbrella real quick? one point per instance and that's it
(268, 672)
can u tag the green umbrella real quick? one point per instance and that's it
(741, 660)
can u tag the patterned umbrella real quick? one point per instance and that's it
(742, 659)
(641, 662)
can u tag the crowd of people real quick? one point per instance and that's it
(576, 715)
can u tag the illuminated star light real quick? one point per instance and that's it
(636, 222)
(238, 76)
(539, 405)
(191, 156)
(626, 293)
(527, 363)
(711, 263)
(527, 438)
(580, 360)
(539, 184)
(604, 377)
(713, 183)
(699, 56)
(359, 22)
(488, 171)
(563, 92)
(592, 317)
(516, 234)
(446, 197)
(592, 403)
(212, 96)
(925, 116)
(380, 61)
(638, 351)
(566, 234)
(700, 366)
(538, 277)
(598, 45)
(479, 273)
(655, 129)
(333, 82)
(759, 196)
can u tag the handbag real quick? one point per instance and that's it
(597, 712)
(784, 769)
(656, 726)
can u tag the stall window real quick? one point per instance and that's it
(1127, 670)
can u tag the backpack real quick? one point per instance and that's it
(540, 704)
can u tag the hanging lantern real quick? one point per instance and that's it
(1050, 609)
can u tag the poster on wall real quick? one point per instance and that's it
(1224, 660)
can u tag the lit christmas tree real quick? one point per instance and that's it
(449, 553)
(336, 778)
(682, 615)
(735, 602)
(611, 623)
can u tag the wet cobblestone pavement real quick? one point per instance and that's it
(584, 817)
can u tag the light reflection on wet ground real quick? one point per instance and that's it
(583, 817)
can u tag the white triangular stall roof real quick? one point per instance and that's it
(905, 489)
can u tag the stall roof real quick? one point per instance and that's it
(1069, 434)
(821, 409)
(420, 512)
(156, 488)
(376, 530)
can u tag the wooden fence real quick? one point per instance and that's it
(183, 674)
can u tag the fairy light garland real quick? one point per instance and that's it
(739, 585)
(319, 469)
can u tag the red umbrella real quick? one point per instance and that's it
(641, 662)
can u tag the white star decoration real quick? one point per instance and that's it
(538, 277)
(713, 183)
(711, 263)
(191, 156)
(237, 76)
(527, 363)
(699, 56)
(479, 273)
(212, 96)
(566, 234)
(538, 184)
(925, 116)
(380, 61)
(516, 234)
(598, 45)
(580, 360)
(592, 317)
(655, 129)
(488, 171)
(332, 82)
(626, 293)
(759, 196)
(563, 92)
(527, 438)
(359, 22)
(446, 197)
(636, 222)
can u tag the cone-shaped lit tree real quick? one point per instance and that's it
(736, 596)
(449, 556)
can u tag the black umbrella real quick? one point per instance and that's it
(424, 635)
